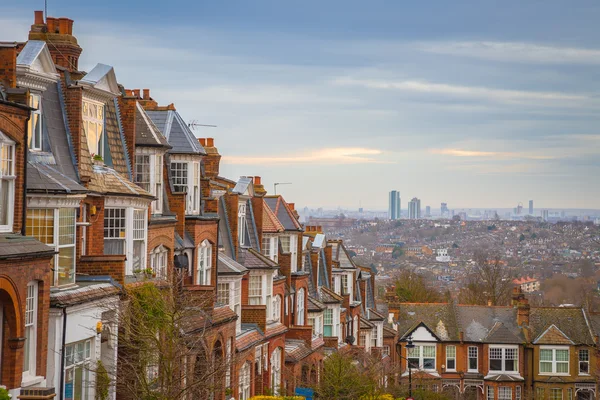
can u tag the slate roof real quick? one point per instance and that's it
(184, 243)
(365, 324)
(228, 266)
(283, 212)
(146, 133)
(82, 294)
(252, 259)
(489, 324)
(344, 259)
(118, 158)
(176, 131)
(43, 178)
(242, 185)
(570, 320)
(328, 296)
(17, 246)
(249, 336)
(436, 316)
(108, 181)
(224, 230)
(315, 305)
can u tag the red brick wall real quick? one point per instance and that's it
(200, 231)
(258, 208)
(73, 104)
(95, 232)
(162, 234)
(328, 253)
(127, 107)
(8, 66)
(112, 265)
(255, 314)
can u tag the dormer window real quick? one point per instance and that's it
(242, 223)
(34, 133)
(149, 176)
(186, 179)
(93, 126)
(7, 183)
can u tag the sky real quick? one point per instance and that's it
(473, 103)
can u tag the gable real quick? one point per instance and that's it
(553, 335)
(423, 334)
(102, 77)
(36, 56)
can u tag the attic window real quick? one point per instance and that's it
(34, 133)
(93, 126)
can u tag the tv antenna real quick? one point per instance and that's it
(193, 124)
(280, 183)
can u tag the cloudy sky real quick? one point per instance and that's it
(466, 102)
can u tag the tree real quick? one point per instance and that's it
(411, 287)
(162, 346)
(489, 281)
(343, 379)
(397, 252)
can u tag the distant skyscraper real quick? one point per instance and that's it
(394, 205)
(544, 215)
(414, 208)
(427, 212)
(444, 209)
(530, 207)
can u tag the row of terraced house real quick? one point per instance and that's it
(102, 189)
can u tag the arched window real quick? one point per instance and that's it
(203, 275)
(276, 370)
(158, 261)
(277, 308)
(7, 183)
(244, 381)
(300, 305)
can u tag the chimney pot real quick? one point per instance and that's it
(257, 180)
(38, 17)
(292, 206)
(136, 92)
(210, 142)
(63, 26)
(52, 24)
(146, 94)
(202, 141)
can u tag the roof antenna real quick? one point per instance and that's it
(45, 9)
(193, 124)
(280, 183)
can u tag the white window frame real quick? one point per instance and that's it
(192, 177)
(131, 229)
(242, 223)
(337, 284)
(421, 355)
(204, 265)
(276, 370)
(490, 393)
(269, 247)
(35, 138)
(505, 393)
(31, 317)
(554, 361)
(7, 180)
(234, 298)
(328, 320)
(586, 362)
(517, 392)
(152, 171)
(87, 121)
(263, 294)
(450, 357)
(294, 252)
(276, 308)
(158, 261)
(244, 381)
(300, 307)
(73, 360)
(472, 352)
(503, 351)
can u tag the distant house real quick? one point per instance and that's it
(527, 284)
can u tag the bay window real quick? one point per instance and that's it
(285, 243)
(554, 360)
(490, 393)
(242, 223)
(125, 232)
(56, 228)
(374, 337)
(93, 126)
(204, 270)
(473, 365)
(505, 393)
(269, 247)
(185, 174)
(34, 133)
(229, 293)
(244, 381)
(300, 307)
(422, 356)
(556, 394)
(328, 322)
(149, 175)
(158, 261)
(276, 370)
(29, 347)
(450, 358)
(78, 357)
(503, 359)
(260, 291)
(7, 183)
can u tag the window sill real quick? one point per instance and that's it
(583, 374)
(554, 374)
(472, 371)
(31, 380)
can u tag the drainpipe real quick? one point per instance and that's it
(62, 355)
(25, 153)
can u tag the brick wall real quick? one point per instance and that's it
(8, 66)
(95, 232)
(258, 207)
(112, 265)
(301, 333)
(73, 104)
(127, 107)
(255, 314)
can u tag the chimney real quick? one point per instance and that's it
(8, 65)
(292, 206)
(461, 336)
(146, 94)
(257, 180)
(38, 18)
(58, 32)
(213, 158)
(210, 142)
(202, 142)
(136, 93)
(523, 312)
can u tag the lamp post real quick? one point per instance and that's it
(409, 345)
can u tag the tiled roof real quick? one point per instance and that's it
(296, 350)
(146, 133)
(365, 324)
(283, 212)
(389, 332)
(82, 294)
(222, 314)
(252, 259)
(487, 324)
(570, 320)
(108, 181)
(17, 246)
(116, 142)
(248, 339)
(315, 305)
(328, 296)
(275, 329)
(228, 266)
(176, 131)
(436, 316)
(184, 243)
(523, 280)
(270, 222)
(375, 316)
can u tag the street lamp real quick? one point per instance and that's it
(409, 345)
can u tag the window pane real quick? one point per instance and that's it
(562, 355)
(450, 351)
(546, 355)
(545, 366)
(562, 367)
(40, 224)
(142, 171)
(66, 265)
(66, 233)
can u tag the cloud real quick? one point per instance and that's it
(339, 155)
(474, 92)
(513, 52)
(489, 154)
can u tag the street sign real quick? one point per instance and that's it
(306, 392)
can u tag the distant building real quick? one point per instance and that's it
(394, 205)
(530, 207)
(444, 209)
(544, 215)
(527, 284)
(414, 208)
(428, 211)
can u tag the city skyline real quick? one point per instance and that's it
(516, 110)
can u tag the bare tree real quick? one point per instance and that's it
(489, 281)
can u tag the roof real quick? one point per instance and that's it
(47, 179)
(252, 259)
(270, 222)
(328, 296)
(569, 320)
(489, 324)
(17, 246)
(176, 131)
(315, 305)
(36, 56)
(438, 317)
(102, 77)
(243, 185)
(82, 294)
(296, 350)
(228, 266)
(521, 281)
(283, 212)
(146, 133)
(108, 181)
(184, 243)
(250, 335)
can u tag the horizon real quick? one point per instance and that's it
(345, 99)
